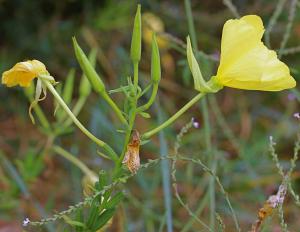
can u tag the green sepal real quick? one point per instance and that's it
(199, 83)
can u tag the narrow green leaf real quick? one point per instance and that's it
(103, 180)
(71, 222)
(114, 201)
(88, 69)
(136, 42)
(104, 218)
(93, 215)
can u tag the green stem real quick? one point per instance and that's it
(151, 100)
(135, 75)
(128, 133)
(78, 123)
(150, 133)
(41, 116)
(114, 107)
(192, 31)
(76, 110)
(204, 107)
(73, 159)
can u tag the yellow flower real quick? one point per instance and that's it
(23, 73)
(246, 63)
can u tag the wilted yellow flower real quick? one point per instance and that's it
(23, 73)
(246, 63)
(88, 182)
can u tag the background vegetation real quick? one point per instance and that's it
(35, 182)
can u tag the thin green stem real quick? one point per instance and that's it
(198, 211)
(192, 31)
(74, 160)
(114, 107)
(150, 133)
(132, 116)
(41, 116)
(135, 75)
(128, 133)
(212, 162)
(76, 110)
(151, 99)
(78, 123)
(204, 107)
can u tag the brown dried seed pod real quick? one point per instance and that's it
(132, 157)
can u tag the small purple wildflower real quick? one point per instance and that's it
(291, 97)
(195, 123)
(296, 115)
(26, 222)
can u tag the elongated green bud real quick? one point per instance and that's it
(69, 86)
(85, 86)
(155, 61)
(88, 69)
(155, 75)
(136, 42)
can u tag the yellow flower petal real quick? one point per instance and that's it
(23, 73)
(246, 63)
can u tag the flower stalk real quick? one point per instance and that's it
(99, 142)
(152, 132)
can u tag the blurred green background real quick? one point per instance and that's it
(35, 186)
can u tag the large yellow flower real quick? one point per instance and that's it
(23, 73)
(246, 63)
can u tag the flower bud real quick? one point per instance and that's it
(88, 69)
(155, 61)
(135, 50)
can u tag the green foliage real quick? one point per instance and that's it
(218, 171)
(31, 166)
